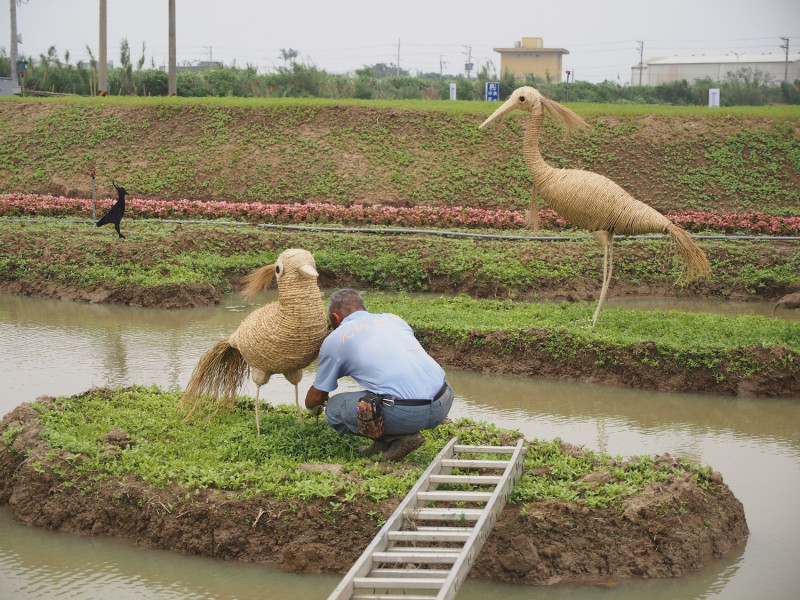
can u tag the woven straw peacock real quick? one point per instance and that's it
(587, 199)
(280, 337)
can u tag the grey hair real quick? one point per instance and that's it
(345, 301)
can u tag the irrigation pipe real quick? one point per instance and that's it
(437, 232)
(537, 238)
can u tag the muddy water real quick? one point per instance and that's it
(50, 347)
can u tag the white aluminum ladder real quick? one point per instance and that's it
(427, 547)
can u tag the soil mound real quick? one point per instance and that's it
(673, 527)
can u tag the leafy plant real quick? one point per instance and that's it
(226, 454)
(437, 217)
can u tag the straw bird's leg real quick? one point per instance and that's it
(607, 239)
(260, 378)
(294, 377)
(258, 422)
(532, 218)
(299, 410)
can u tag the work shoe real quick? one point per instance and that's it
(401, 446)
(376, 447)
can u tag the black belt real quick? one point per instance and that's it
(416, 401)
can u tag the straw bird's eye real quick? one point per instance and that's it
(522, 98)
(277, 269)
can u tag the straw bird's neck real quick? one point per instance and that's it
(530, 149)
(301, 299)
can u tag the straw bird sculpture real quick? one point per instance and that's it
(281, 337)
(587, 199)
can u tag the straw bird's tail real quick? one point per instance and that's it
(697, 264)
(214, 381)
(258, 280)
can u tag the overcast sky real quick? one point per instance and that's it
(602, 36)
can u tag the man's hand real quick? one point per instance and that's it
(316, 399)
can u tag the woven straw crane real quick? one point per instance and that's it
(281, 337)
(590, 200)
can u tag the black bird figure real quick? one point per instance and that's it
(116, 212)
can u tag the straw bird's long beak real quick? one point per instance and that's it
(508, 106)
(308, 272)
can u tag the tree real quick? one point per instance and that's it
(382, 70)
(5, 62)
(289, 56)
(365, 84)
(748, 76)
(140, 62)
(126, 73)
(93, 67)
(508, 83)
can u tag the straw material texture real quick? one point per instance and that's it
(281, 337)
(587, 199)
(593, 201)
(596, 203)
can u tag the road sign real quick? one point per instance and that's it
(492, 91)
(713, 98)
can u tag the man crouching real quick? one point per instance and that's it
(405, 389)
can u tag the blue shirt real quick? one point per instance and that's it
(381, 353)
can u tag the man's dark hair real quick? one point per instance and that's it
(345, 301)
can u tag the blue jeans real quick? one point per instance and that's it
(397, 419)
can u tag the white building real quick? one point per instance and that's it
(717, 67)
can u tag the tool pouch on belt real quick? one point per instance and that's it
(370, 415)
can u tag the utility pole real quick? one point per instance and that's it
(468, 64)
(13, 57)
(397, 70)
(785, 46)
(102, 65)
(172, 85)
(641, 58)
(441, 67)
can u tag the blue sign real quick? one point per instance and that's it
(492, 91)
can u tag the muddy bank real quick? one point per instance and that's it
(672, 528)
(164, 265)
(642, 366)
(159, 265)
(773, 372)
(165, 297)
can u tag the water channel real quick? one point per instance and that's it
(61, 348)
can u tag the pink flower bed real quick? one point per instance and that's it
(440, 217)
(743, 223)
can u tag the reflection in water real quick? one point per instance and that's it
(115, 368)
(68, 347)
(41, 564)
(62, 348)
(607, 410)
